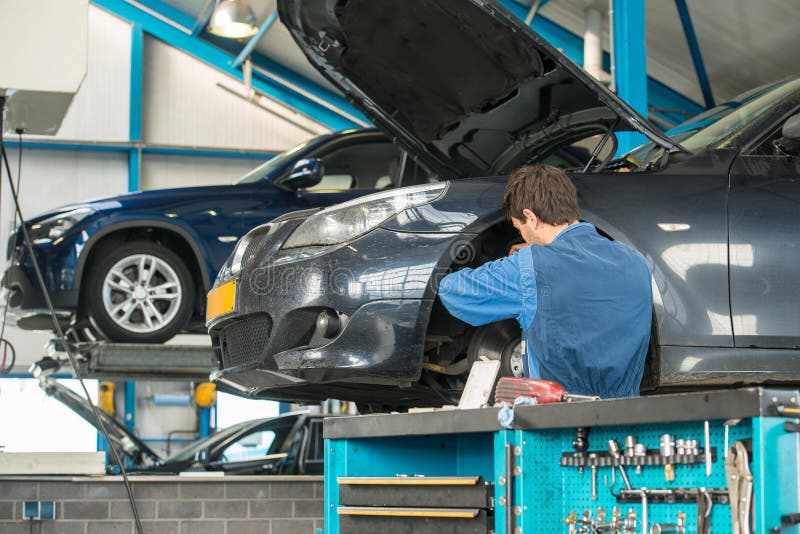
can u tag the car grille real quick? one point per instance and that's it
(244, 341)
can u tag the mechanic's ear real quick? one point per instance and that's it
(791, 128)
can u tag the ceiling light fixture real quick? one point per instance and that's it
(233, 19)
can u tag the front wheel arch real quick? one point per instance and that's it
(116, 235)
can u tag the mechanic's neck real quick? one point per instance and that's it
(548, 232)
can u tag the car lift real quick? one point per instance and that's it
(134, 361)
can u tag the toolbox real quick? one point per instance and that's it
(721, 461)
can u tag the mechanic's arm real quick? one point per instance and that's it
(492, 292)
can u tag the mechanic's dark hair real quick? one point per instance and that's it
(543, 189)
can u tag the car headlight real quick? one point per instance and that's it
(57, 225)
(344, 222)
(233, 266)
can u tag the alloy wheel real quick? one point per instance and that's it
(142, 293)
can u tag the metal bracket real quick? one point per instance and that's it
(673, 495)
(604, 459)
(509, 497)
(791, 427)
(787, 521)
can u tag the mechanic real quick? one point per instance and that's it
(584, 302)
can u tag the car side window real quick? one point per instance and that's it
(254, 445)
(774, 144)
(374, 165)
(314, 462)
(416, 174)
(316, 444)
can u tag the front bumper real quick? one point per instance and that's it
(269, 346)
(379, 346)
(57, 265)
(26, 300)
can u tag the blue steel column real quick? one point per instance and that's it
(130, 404)
(630, 60)
(102, 442)
(205, 422)
(135, 132)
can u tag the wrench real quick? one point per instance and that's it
(704, 504)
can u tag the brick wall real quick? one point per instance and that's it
(167, 505)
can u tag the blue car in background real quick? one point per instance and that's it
(136, 267)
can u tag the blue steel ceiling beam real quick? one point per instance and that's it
(335, 112)
(202, 19)
(272, 71)
(251, 44)
(659, 95)
(172, 13)
(126, 147)
(694, 50)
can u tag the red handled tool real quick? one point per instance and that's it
(544, 391)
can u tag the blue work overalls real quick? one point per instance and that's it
(584, 303)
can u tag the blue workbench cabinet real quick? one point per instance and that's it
(459, 471)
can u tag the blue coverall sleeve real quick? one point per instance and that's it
(492, 292)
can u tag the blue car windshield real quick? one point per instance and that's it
(713, 127)
(269, 166)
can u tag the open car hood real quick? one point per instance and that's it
(124, 440)
(463, 84)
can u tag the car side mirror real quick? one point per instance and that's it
(791, 128)
(305, 173)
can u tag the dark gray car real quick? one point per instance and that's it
(343, 302)
(289, 444)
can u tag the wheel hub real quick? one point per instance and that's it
(499, 341)
(142, 293)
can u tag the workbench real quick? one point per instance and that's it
(460, 471)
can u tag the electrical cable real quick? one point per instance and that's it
(59, 332)
(5, 366)
(19, 168)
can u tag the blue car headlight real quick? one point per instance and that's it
(344, 222)
(54, 227)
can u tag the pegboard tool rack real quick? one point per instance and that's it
(523, 482)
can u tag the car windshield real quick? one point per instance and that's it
(191, 451)
(713, 127)
(270, 165)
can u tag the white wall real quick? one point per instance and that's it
(165, 171)
(32, 421)
(183, 105)
(99, 110)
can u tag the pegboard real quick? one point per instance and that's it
(551, 491)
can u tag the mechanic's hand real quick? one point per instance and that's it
(518, 246)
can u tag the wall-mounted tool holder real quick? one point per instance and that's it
(673, 495)
(604, 459)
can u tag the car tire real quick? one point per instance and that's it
(139, 292)
(499, 341)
